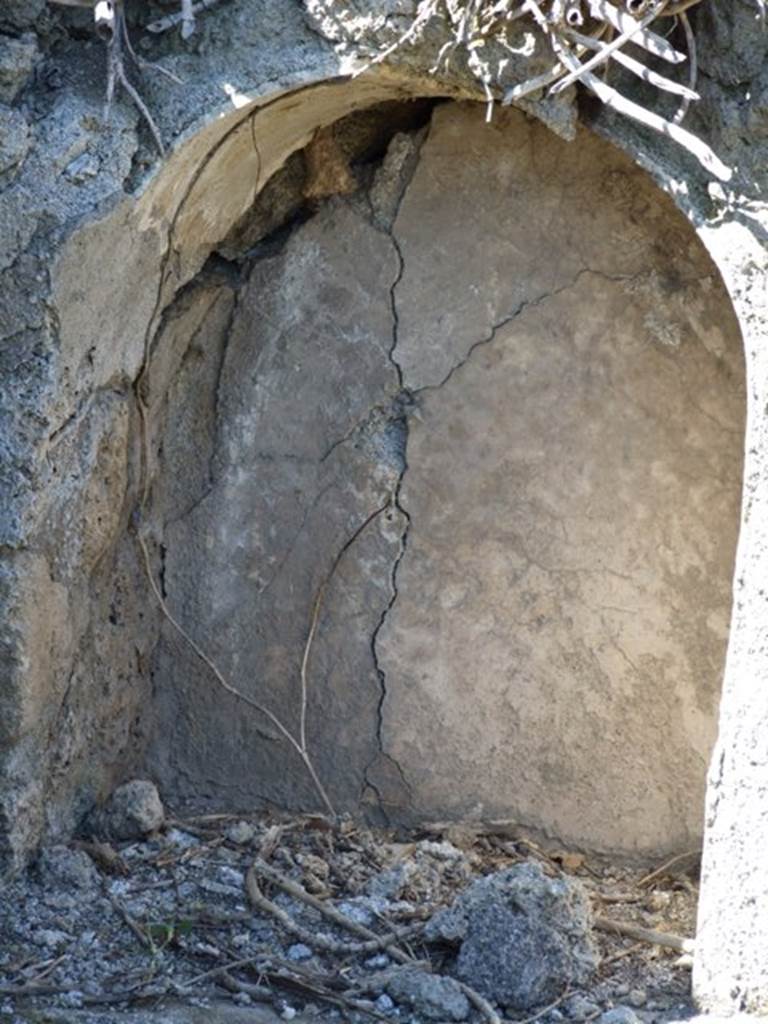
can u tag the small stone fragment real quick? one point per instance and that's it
(384, 1004)
(619, 1015)
(133, 810)
(429, 995)
(83, 167)
(59, 866)
(389, 884)
(52, 937)
(378, 962)
(299, 952)
(580, 1008)
(524, 937)
(658, 900)
(637, 997)
(241, 833)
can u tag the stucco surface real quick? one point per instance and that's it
(546, 428)
(573, 483)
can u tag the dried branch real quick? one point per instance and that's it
(184, 17)
(327, 910)
(651, 77)
(606, 50)
(693, 70)
(654, 938)
(317, 940)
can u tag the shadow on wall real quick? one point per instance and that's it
(512, 360)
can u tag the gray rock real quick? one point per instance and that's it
(523, 936)
(619, 1015)
(17, 61)
(52, 937)
(60, 866)
(82, 168)
(429, 995)
(241, 833)
(388, 885)
(384, 1004)
(637, 997)
(132, 811)
(299, 952)
(579, 1008)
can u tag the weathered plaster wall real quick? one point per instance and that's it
(68, 201)
(533, 624)
(573, 488)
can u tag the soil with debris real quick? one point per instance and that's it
(446, 923)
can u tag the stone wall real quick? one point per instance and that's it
(502, 342)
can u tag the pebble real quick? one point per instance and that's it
(361, 915)
(228, 874)
(299, 952)
(637, 997)
(71, 999)
(658, 900)
(52, 937)
(579, 1008)
(133, 810)
(242, 999)
(182, 839)
(83, 167)
(241, 833)
(384, 1004)
(444, 850)
(619, 1015)
(621, 990)
(288, 1012)
(378, 962)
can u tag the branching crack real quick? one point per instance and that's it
(521, 308)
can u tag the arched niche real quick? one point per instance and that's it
(508, 356)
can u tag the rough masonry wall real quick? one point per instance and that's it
(533, 624)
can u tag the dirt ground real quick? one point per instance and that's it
(279, 912)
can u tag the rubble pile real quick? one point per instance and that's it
(150, 914)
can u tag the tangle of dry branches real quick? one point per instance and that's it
(584, 36)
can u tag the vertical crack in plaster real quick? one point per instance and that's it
(404, 400)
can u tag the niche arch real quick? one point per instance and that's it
(411, 339)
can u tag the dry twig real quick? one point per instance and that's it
(653, 938)
(663, 868)
(319, 941)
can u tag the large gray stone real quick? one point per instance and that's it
(523, 937)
